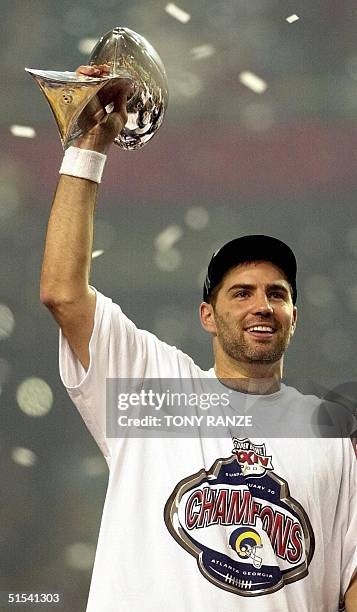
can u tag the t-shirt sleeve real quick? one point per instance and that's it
(349, 546)
(117, 349)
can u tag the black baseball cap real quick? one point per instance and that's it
(246, 249)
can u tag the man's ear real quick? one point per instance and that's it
(207, 317)
(294, 321)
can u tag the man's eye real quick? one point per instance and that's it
(277, 295)
(241, 294)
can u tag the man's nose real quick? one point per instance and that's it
(262, 304)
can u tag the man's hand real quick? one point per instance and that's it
(100, 126)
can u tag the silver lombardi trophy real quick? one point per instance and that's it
(130, 57)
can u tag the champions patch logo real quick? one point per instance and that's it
(248, 535)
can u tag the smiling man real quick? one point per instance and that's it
(231, 523)
(249, 307)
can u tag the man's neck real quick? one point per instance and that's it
(255, 386)
(255, 378)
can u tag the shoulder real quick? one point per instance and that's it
(156, 357)
(319, 417)
(294, 394)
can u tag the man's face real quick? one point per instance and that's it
(254, 317)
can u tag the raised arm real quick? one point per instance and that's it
(66, 264)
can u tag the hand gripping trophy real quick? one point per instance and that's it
(131, 58)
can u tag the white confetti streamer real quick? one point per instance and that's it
(97, 253)
(202, 52)
(253, 82)
(292, 18)
(177, 13)
(23, 131)
(167, 238)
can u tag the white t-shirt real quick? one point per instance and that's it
(211, 524)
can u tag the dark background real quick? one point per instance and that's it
(226, 162)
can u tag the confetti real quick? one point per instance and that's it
(97, 253)
(177, 13)
(292, 18)
(23, 131)
(94, 466)
(7, 321)
(86, 45)
(168, 261)
(197, 218)
(80, 556)
(23, 456)
(34, 397)
(202, 52)
(167, 238)
(253, 82)
(187, 84)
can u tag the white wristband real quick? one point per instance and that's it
(83, 163)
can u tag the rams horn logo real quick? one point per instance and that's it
(245, 543)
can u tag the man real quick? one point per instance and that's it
(228, 523)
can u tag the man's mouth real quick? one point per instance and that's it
(260, 331)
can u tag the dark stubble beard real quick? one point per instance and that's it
(240, 349)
